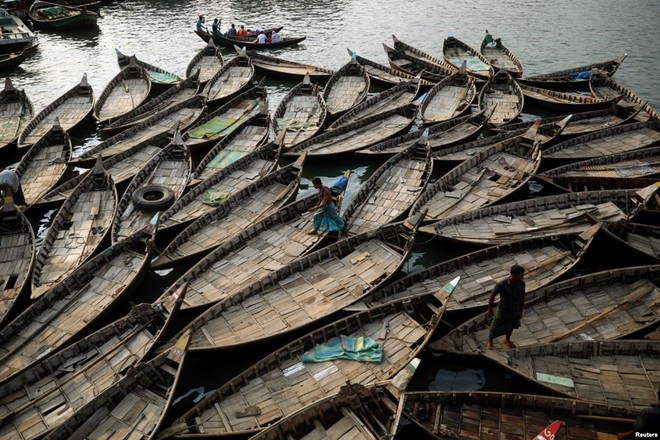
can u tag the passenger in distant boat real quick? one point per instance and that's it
(326, 218)
(489, 39)
(498, 43)
(275, 37)
(510, 309)
(232, 30)
(10, 180)
(200, 23)
(259, 30)
(242, 32)
(647, 422)
(215, 27)
(261, 38)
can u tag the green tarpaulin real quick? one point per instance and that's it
(361, 349)
(225, 158)
(214, 128)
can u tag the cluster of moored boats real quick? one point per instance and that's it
(257, 275)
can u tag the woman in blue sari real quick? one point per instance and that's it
(326, 218)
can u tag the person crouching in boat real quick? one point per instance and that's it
(326, 218)
(9, 180)
(510, 309)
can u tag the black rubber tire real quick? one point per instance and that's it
(153, 198)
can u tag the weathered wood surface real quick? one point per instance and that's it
(70, 108)
(568, 77)
(406, 62)
(566, 102)
(604, 87)
(282, 383)
(391, 190)
(605, 305)
(457, 53)
(449, 98)
(346, 88)
(44, 164)
(423, 56)
(485, 415)
(156, 74)
(15, 113)
(206, 63)
(124, 93)
(273, 67)
(76, 231)
(384, 75)
(502, 90)
(300, 115)
(645, 238)
(233, 78)
(502, 58)
(617, 373)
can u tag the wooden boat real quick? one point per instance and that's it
(483, 180)
(21, 37)
(363, 133)
(545, 259)
(74, 376)
(503, 90)
(423, 56)
(15, 112)
(501, 58)
(467, 150)
(44, 164)
(406, 63)
(206, 63)
(220, 185)
(234, 78)
(326, 281)
(125, 92)
(158, 76)
(355, 413)
(566, 102)
(17, 256)
(644, 238)
(153, 189)
(410, 324)
(557, 215)
(180, 116)
(121, 167)
(77, 230)
(391, 190)
(439, 135)
(59, 17)
(450, 98)
(230, 42)
(174, 95)
(449, 414)
(586, 304)
(400, 95)
(10, 61)
(73, 306)
(213, 126)
(248, 137)
(604, 87)
(457, 54)
(385, 76)
(300, 115)
(571, 78)
(273, 67)
(615, 140)
(346, 88)
(71, 108)
(206, 36)
(137, 404)
(236, 213)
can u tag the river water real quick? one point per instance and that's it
(546, 36)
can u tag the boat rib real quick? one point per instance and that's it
(128, 90)
(346, 88)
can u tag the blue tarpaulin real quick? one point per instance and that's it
(361, 349)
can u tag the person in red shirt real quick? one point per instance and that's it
(242, 32)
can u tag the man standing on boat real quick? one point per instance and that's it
(326, 218)
(510, 309)
(200, 23)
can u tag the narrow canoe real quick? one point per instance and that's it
(71, 108)
(230, 42)
(159, 77)
(205, 196)
(95, 363)
(503, 90)
(236, 213)
(604, 87)
(401, 61)
(59, 17)
(615, 140)
(301, 114)
(140, 400)
(206, 63)
(233, 78)
(247, 138)
(501, 58)
(644, 238)
(16, 111)
(16, 259)
(557, 215)
(450, 98)
(273, 67)
(400, 95)
(44, 164)
(74, 306)
(206, 36)
(9, 61)
(76, 231)
(577, 309)
(355, 136)
(213, 126)
(325, 282)
(448, 414)
(125, 92)
(183, 91)
(391, 190)
(385, 76)
(457, 53)
(569, 78)
(483, 180)
(166, 176)
(347, 87)
(409, 325)
(423, 56)
(467, 150)
(566, 102)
